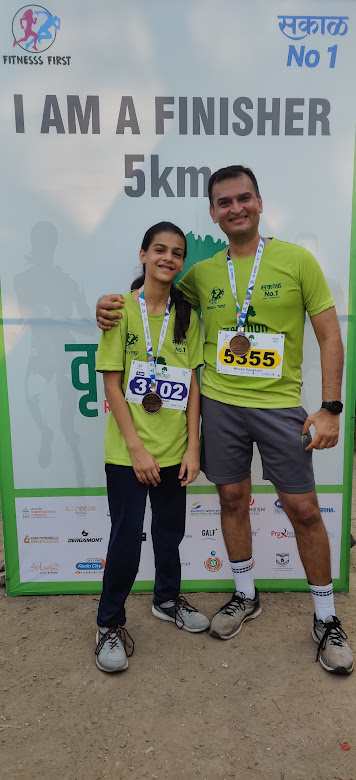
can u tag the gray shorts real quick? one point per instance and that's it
(228, 433)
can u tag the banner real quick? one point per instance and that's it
(113, 118)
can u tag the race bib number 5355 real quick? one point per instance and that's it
(265, 358)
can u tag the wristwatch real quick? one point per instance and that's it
(335, 407)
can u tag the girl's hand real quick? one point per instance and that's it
(190, 466)
(145, 466)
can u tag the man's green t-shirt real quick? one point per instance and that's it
(289, 283)
(163, 434)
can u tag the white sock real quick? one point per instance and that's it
(323, 598)
(242, 574)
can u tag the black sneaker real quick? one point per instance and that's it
(230, 618)
(334, 653)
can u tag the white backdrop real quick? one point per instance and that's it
(159, 87)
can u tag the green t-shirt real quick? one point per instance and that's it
(289, 283)
(163, 434)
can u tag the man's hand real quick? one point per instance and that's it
(326, 430)
(145, 466)
(190, 466)
(105, 316)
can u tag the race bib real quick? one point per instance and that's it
(172, 384)
(265, 358)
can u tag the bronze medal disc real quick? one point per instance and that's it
(152, 402)
(240, 345)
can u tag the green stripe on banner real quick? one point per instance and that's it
(265, 489)
(146, 586)
(58, 492)
(7, 474)
(195, 489)
(350, 400)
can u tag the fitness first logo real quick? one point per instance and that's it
(34, 30)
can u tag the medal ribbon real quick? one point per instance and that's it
(241, 312)
(146, 327)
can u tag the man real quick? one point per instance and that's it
(254, 395)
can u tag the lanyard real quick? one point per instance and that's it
(242, 312)
(146, 327)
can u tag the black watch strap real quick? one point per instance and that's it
(335, 407)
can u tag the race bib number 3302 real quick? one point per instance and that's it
(172, 384)
(265, 358)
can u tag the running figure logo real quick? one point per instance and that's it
(131, 339)
(215, 294)
(34, 28)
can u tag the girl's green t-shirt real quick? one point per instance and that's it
(163, 434)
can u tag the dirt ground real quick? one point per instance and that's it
(255, 708)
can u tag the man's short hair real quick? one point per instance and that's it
(231, 172)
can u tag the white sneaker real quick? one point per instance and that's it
(229, 620)
(334, 653)
(182, 614)
(114, 645)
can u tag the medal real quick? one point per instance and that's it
(240, 344)
(152, 402)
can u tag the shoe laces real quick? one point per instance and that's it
(236, 602)
(180, 604)
(333, 634)
(113, 636)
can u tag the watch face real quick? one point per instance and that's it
(335, 407)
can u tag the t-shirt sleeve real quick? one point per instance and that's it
(111, 349)
(315, 289)
(189, 289)
(195, 341)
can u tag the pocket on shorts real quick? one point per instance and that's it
(305, 437)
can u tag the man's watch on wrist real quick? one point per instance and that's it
(335, 407)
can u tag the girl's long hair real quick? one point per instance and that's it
(183, 308)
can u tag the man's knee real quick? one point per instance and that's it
(301, 508)
(234, 497)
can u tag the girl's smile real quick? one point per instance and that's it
(164, 258)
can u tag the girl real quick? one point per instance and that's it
(151, 440)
